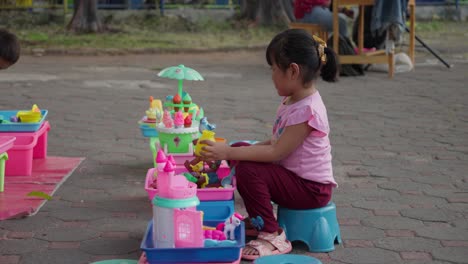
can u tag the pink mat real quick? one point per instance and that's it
(47, 175)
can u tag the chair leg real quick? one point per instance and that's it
(391, 65)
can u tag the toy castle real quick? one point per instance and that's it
(176, 222)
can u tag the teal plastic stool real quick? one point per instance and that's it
(287, 259)
(317, 228)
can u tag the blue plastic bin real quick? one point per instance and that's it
(193, 255)
(19, 127)
(148, 130)
(216, 210)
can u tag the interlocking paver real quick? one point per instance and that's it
(107, 246)
(57, 256)
(454, 254)
(21, 246)
(407, 244)
(443, 233)
(365, 255)
(66, 234)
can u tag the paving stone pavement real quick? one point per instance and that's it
(400, 149)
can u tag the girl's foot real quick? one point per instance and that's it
(267, 244)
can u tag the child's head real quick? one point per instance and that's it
(308, 54)
(9, 49)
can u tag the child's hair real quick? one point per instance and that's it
(9, 46)
(298, 46)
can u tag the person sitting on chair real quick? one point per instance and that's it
(318, 12)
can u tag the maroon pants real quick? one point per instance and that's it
(260, 183)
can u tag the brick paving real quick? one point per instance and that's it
(400, 152)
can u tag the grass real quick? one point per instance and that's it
(172, 33)
(167, 33)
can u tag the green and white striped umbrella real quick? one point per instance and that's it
(180, 73)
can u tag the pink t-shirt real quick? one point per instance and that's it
(312, 160)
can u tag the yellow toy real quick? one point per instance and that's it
(197, 167)
(32, 116)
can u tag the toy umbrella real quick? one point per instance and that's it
(181, 73)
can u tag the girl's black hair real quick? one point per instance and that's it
(298, 46)
(9, 46)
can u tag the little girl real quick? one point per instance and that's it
(294, 167)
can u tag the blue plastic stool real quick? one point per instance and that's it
(287, 259)
(317, 228)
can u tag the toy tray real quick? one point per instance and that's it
(20, 127)
(6, 142)
(193, 255)
(204, 194)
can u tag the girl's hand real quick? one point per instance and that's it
(214, 150)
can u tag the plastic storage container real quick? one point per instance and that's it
(6, 142)
(27, 146)
(20, 127)
(216, 210)
(205, 194)
(193, 255)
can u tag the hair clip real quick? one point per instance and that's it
(321, 45)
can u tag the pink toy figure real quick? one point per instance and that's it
(167, 119)
(178, 119)
(230, 225)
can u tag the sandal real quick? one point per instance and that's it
(281, 244)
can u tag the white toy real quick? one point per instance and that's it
(230, 225)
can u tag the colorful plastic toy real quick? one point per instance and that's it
(226, 251)
(32, 116)
(205, 125)
(176, 223)
(220, 203)
(180, 73)
(230, 225)
(10, 122)
(181, 118)
(154, 112)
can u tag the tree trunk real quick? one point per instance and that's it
(248, 9)
(267, 12)
(85, 18)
